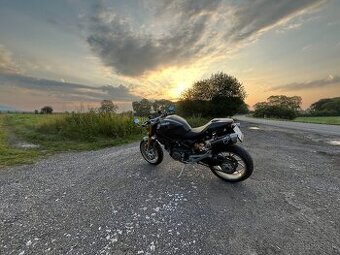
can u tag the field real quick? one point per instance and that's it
(332, 120)
(26, 137)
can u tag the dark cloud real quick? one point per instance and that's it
(65, 91)
(330, 81)
(254, 16)
(130, 49)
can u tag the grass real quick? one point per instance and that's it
(66, 132)
(333, 120)
(330, 120)
(62, 132)
(10, 155)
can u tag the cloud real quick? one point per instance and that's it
(254, 17)
(329, 81)
(131, 50)
(7, 64)
(65, 91)
(197, 29)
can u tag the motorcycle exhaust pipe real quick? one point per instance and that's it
(231, 138)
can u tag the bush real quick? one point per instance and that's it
(92, 124)
(326, 107)
(46, 110)
(275, 111)
(221, 95)
(217, 107)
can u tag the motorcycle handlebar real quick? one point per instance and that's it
(153, 120)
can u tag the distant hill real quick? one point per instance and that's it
(6, 108)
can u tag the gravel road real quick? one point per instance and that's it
(112, 202)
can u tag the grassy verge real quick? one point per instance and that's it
(65, 132)
(59, 133)
(10, 155)
(332, 120)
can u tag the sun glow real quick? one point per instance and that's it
(175, 92)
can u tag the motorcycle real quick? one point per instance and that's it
(212, 145)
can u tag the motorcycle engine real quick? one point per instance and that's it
(180, 154)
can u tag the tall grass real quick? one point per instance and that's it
(91, 125)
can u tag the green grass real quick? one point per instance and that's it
(66, 132)
(12, 156)
(62, 132)
(333, 120)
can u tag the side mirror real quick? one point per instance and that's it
(171, 108)
(136, 121)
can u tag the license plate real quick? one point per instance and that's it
(238, 131)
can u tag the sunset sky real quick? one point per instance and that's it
(69, 53)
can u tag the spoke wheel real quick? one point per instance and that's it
(153, 154)
(236, 164)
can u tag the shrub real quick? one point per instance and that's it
(275, 111)
(219, 96)
(46, 110)
(92, 124)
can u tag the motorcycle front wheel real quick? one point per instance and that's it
(235, 164)
(152, 153)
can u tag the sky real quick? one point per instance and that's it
(71, 54)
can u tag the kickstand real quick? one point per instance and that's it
(181, 171)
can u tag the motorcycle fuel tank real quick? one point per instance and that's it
(173, 126)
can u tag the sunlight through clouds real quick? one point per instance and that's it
(157, 49)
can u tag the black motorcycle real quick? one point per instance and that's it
(212, 145)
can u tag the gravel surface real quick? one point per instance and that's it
(112, 202)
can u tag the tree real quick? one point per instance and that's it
(278, 107)
(46, 110)
(293, 103)
(162, 103)
(107, 106)
(220, 95)
(243, 109)
(142, 107)
(326, 107)
(218, 85)
(36, 111)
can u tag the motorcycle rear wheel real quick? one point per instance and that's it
(154, 154)
(243, 167)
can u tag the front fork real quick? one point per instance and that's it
(149, 138)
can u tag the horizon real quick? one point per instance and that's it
(70, 53)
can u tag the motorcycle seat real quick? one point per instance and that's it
(212, 125)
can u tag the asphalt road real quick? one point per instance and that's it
(310, 127)
(112, 202)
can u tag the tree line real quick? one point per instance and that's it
(223, 95)
(285, 107)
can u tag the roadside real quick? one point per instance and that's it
(26, 137)
(21, 141)
(330, 120)
(11, 154)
